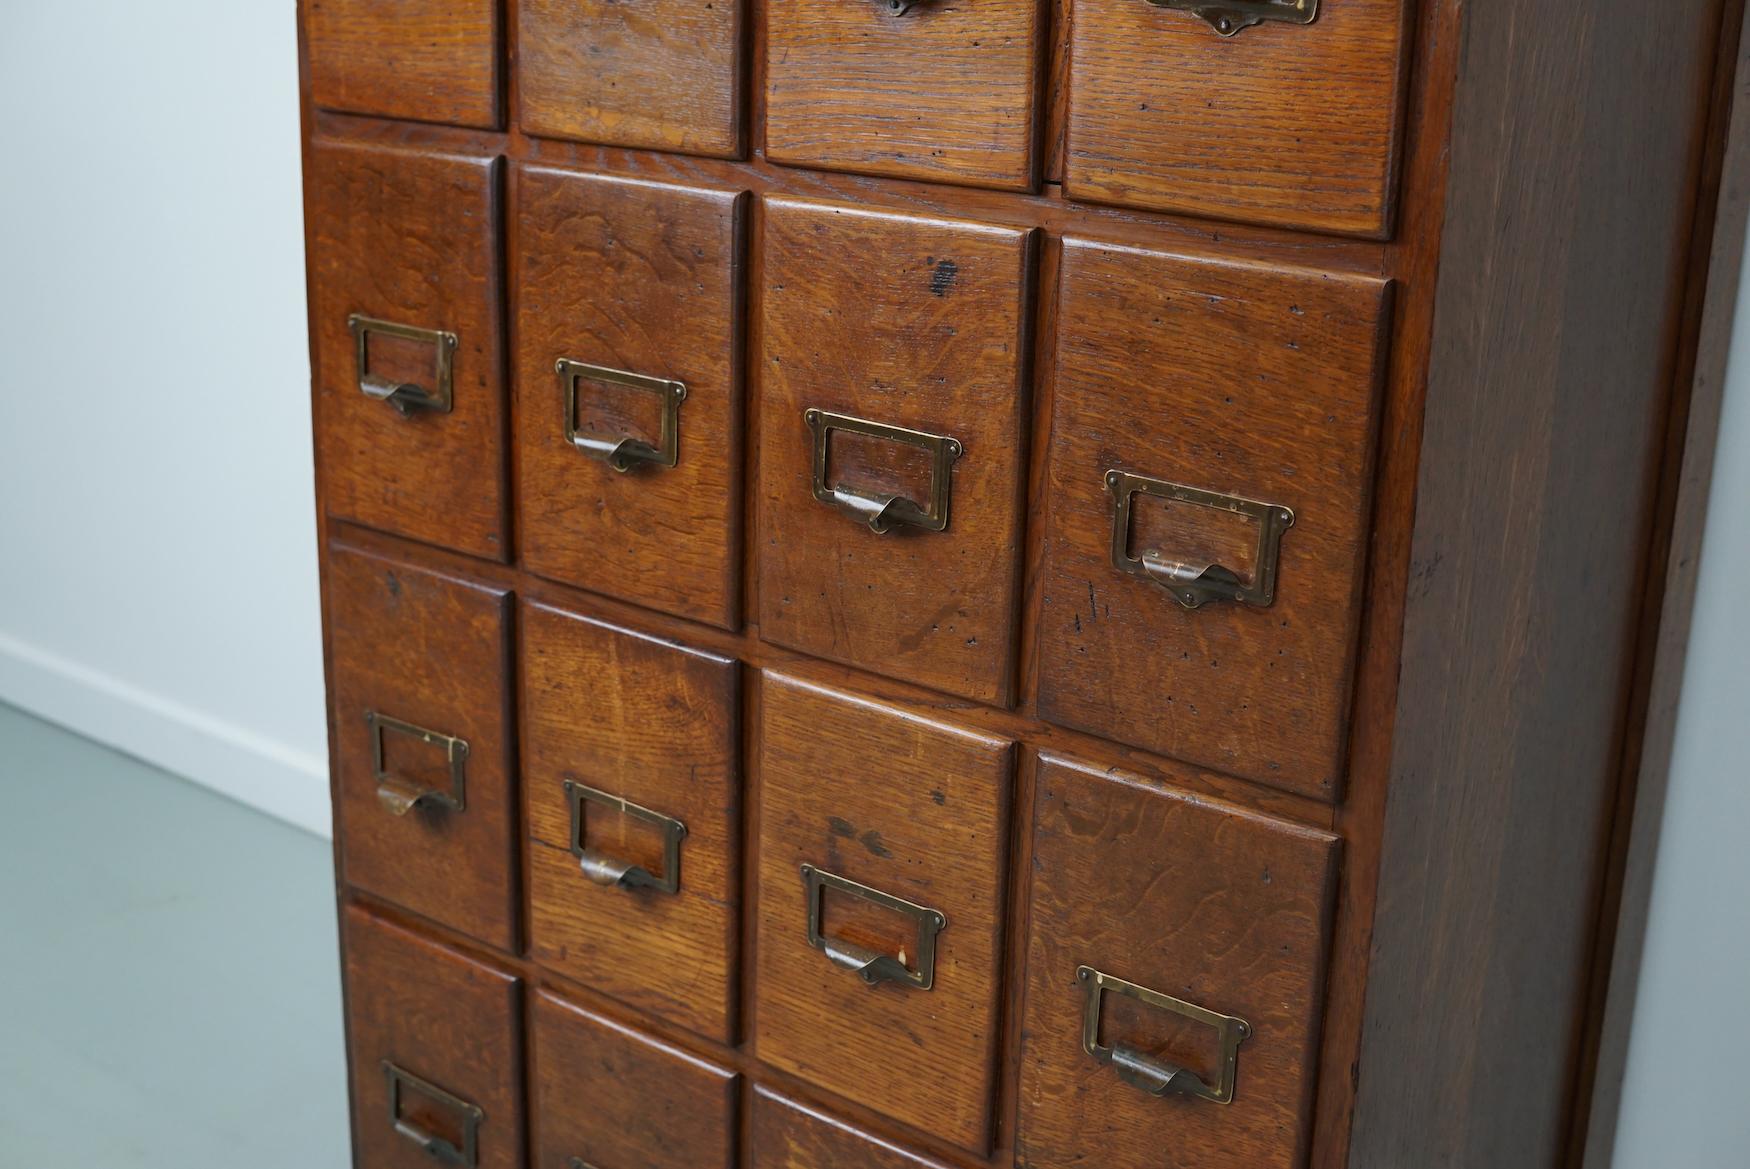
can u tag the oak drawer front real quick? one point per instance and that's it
(790, 1135)
(422, 735)
(630, 759)
(1281, 123)
(423, 60)
(1210, 482)
(657, 75)
(435, 1049)
(892, 442)
(614, 1098)
(1184, 943)
(941, 90)
(882, 846)
(628, 412)
(404, 275)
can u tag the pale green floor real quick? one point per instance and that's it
(169, 986)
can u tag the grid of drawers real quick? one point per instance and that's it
(706, 774)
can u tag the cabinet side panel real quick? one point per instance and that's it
(1575, 149)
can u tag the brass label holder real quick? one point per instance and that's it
(872, 966)
(434, 1146)
(885, 512)
(406, 397)
(399, 795)
(1194, 586)
(608, 872)
(1157, 1077)
(1228, 17)
(626, 452)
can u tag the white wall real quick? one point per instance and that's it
(157, 535)
(1684, 1100)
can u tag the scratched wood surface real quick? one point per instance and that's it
(442, 1016)
(646, 279)
(655, 724)
(428, 60)
(915, 323)
(916, 810)
(614, 1097)
(1296, 125)
(432, 651)
(1226, 910)
(1258, 383)
(411, 239)
(658, 76)
(945, 91)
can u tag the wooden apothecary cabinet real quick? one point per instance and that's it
(959, 583)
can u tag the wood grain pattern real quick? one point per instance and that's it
(426, 60)
(647, 279)
(659, 76)
(915, 809)
(410, 238)
(620, 1099)
(1295, 125)
(1574, 153)
(913, 323)
(1257, 382)
(790, 1135)
(447, 1018)
(435, 652)
(1209, 904)
(654, 723)
(946, 92)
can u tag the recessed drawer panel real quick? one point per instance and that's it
(789, 1135)
(630, 759)
(1279, 122)
(422, 741)
(942, 90)
(655, 75)
(435, 1049)
(892, 442)
(423, 60)
(404, 285)
(1175, 971)
(610, 1097)
(1210, 479)
(628, 389)
(882, 846)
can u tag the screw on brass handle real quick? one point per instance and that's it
(1158, 1077)
(1195, 585)
(626, 452)
(1228, 17)
(400, 795)
(883, 512)
(434, 1146)
(406, 397)
(872, 966)
(608, 872)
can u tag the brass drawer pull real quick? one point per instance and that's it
(580, 1163)
(1228, 17)
(435, 1147)
(883, 512)
(1155, 1076)
(872, 966)
(401, 795)
(1195, 585)
(406, 397)
(605, 870)
(626, 452)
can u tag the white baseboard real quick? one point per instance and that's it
(254, 770)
